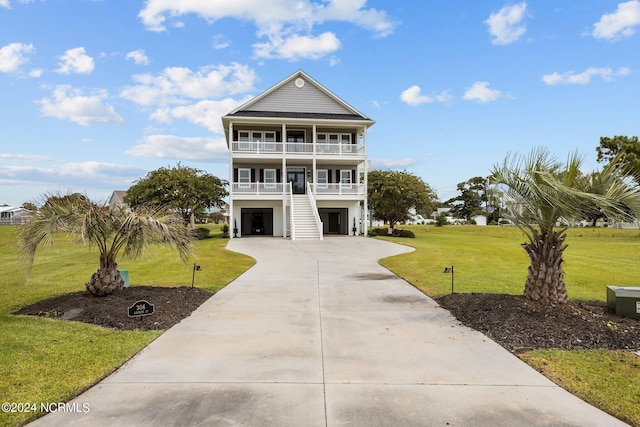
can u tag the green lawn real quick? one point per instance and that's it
(490, 260)
(45, 360)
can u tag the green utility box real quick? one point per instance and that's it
(624, 301)
(125, 277)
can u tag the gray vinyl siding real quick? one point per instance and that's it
(308, 99)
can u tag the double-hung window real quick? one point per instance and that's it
(322, 179)
(269, 178)
(345, 177)
(244, 177)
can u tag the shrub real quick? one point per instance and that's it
(404, 233)
(225, 231)
(397, 232)
(202, 233)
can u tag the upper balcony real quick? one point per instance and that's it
(298, 149)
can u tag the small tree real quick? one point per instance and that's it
(393, 194)
(109, 230)
(472, 196)
(621, 149)
(186, 190)
(538, 192)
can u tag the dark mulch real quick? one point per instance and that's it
(515, 323)
(170, 306)
(521, 325)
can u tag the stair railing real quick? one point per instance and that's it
(312, 199)
(292, 224)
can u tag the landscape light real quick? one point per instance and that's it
(196, 267)
(450, 270)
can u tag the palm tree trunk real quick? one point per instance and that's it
(105, 281)
(545, 281)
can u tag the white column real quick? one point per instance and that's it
(366, 186)
(314, 173)
(231, 213)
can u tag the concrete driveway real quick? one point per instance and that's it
(319, 334)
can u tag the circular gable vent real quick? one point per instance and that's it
(299, 82)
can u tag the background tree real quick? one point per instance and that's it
(30, 206)
(538, 191)
(472, 195)
(109, 230)
(392, 194)
(623, 149)
(186, 190)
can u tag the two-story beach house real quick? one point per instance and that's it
(297, 163)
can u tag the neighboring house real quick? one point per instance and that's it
(297, 162)
(480, 219)
(13, 216)
(117, 198)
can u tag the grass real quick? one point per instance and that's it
(44, 360)
(490, 260)
(617, 374)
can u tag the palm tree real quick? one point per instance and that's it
(539, 192)
(109, 229)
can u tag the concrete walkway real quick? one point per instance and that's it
(318, 334)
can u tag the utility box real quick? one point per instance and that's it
(125, 277)
(624, 301)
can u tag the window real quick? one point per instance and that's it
(333, 138)
(345, 138)
(345, 177)
(270, 178)
(244, 177)
(269, 137)
(295, 136)
(322, 138)
(256, 136)
(322, 178)
(243, 136)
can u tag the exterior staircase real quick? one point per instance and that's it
(305, 221)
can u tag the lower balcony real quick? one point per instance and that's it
(284, 189)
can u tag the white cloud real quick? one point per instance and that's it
(138, 56)
(281, 22)
(393, 163)
(182, 148)
(506, 25)
(5, 3)
(205, 113)
(75, 61)
(413, 96)
(24, 157)
(220, 42)
(296, 47)
(480, 91)
(619, 24)
(607, 74)
(83, 174)
(71, 104)
(175, 85)
(13, 55)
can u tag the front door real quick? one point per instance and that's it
(296, 177)
(334, 222)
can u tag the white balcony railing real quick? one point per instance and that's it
(302, 148)
(262, 188)
(258, 188)
(338, 189)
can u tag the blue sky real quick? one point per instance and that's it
(95, 94)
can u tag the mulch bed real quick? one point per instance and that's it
(514, 322)
(521, 325)
(170, 306)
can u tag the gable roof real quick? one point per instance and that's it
(298, 96)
